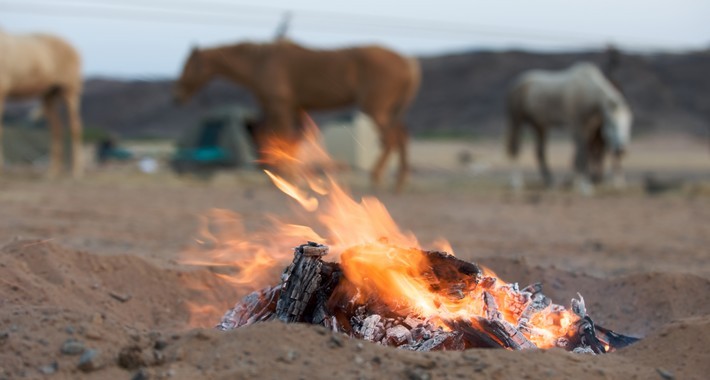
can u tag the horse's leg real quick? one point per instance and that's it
(56, 145)
(541, 154)
(2, 154)
(388, 139)
(581, 164)
(618, 177)
(597, 149)
(402, 141)
(513, 137)
(72, 102)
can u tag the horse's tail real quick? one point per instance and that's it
(415, 72)
(514, 109)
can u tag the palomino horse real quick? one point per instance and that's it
(44, 66)
(287, 78)
(581, 98)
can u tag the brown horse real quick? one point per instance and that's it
(580, 98)
(45, 67)
(287, 78)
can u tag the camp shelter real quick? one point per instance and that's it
(352, 140)
(220, 140)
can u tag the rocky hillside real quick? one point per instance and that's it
(461, 94)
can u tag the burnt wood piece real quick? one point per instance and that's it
(614, 340)
(491, 306)
(513, 337)
(299, 282)
(372, 328)
(533, 288)
(256, 307)
(398, 335)
(538, 303)
(474, 336)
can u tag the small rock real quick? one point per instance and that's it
(72, 347)
(417, 374)
(49, 369)
(160, 344)
(359, 346)
(289, 356)
(665, 375)
(131, 357)
(142, 374)
(93, 333)
(69, 330)
(202, 335)
(89, 360)
(335, 341)
(359, 360)
(158, 357)
(123, 298)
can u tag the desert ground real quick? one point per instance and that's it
(91, 283)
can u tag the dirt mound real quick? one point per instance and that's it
(124, 316)
(49, 294)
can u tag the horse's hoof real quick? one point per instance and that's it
(584, 187)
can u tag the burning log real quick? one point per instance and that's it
(299, 282)
(318, 292)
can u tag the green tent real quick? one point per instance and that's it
(221, 140)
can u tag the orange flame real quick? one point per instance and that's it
(376, 255)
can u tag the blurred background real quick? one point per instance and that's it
(470, 52)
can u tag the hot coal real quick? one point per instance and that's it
(307, 294)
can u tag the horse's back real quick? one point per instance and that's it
(339, 77)
(561, 96)
(37, 62)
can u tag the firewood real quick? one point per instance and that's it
(318, 292)
(299, 282)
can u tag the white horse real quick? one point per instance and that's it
(45, 67)
(580, 98)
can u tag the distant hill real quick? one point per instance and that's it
(461, 94)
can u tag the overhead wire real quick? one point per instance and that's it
(217, 13)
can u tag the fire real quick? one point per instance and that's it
(377, 257)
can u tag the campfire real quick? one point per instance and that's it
(381, 285)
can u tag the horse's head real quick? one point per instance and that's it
(195, 74)
(617, 125)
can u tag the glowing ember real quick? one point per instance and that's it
(378, 260)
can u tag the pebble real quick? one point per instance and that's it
(69, 330)
(72, 347)
(131, 357)
(417, 374)
(89, 360)
(49, 369)
(160, 344)
(335, 341)
(665, 375)
(289, 356)
(142, 374)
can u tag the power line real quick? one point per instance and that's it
(182, 12)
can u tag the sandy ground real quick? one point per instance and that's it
(93, 266)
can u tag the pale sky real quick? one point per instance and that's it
(145, 38)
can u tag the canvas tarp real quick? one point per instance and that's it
(222, 139)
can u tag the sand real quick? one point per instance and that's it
(95, 264)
